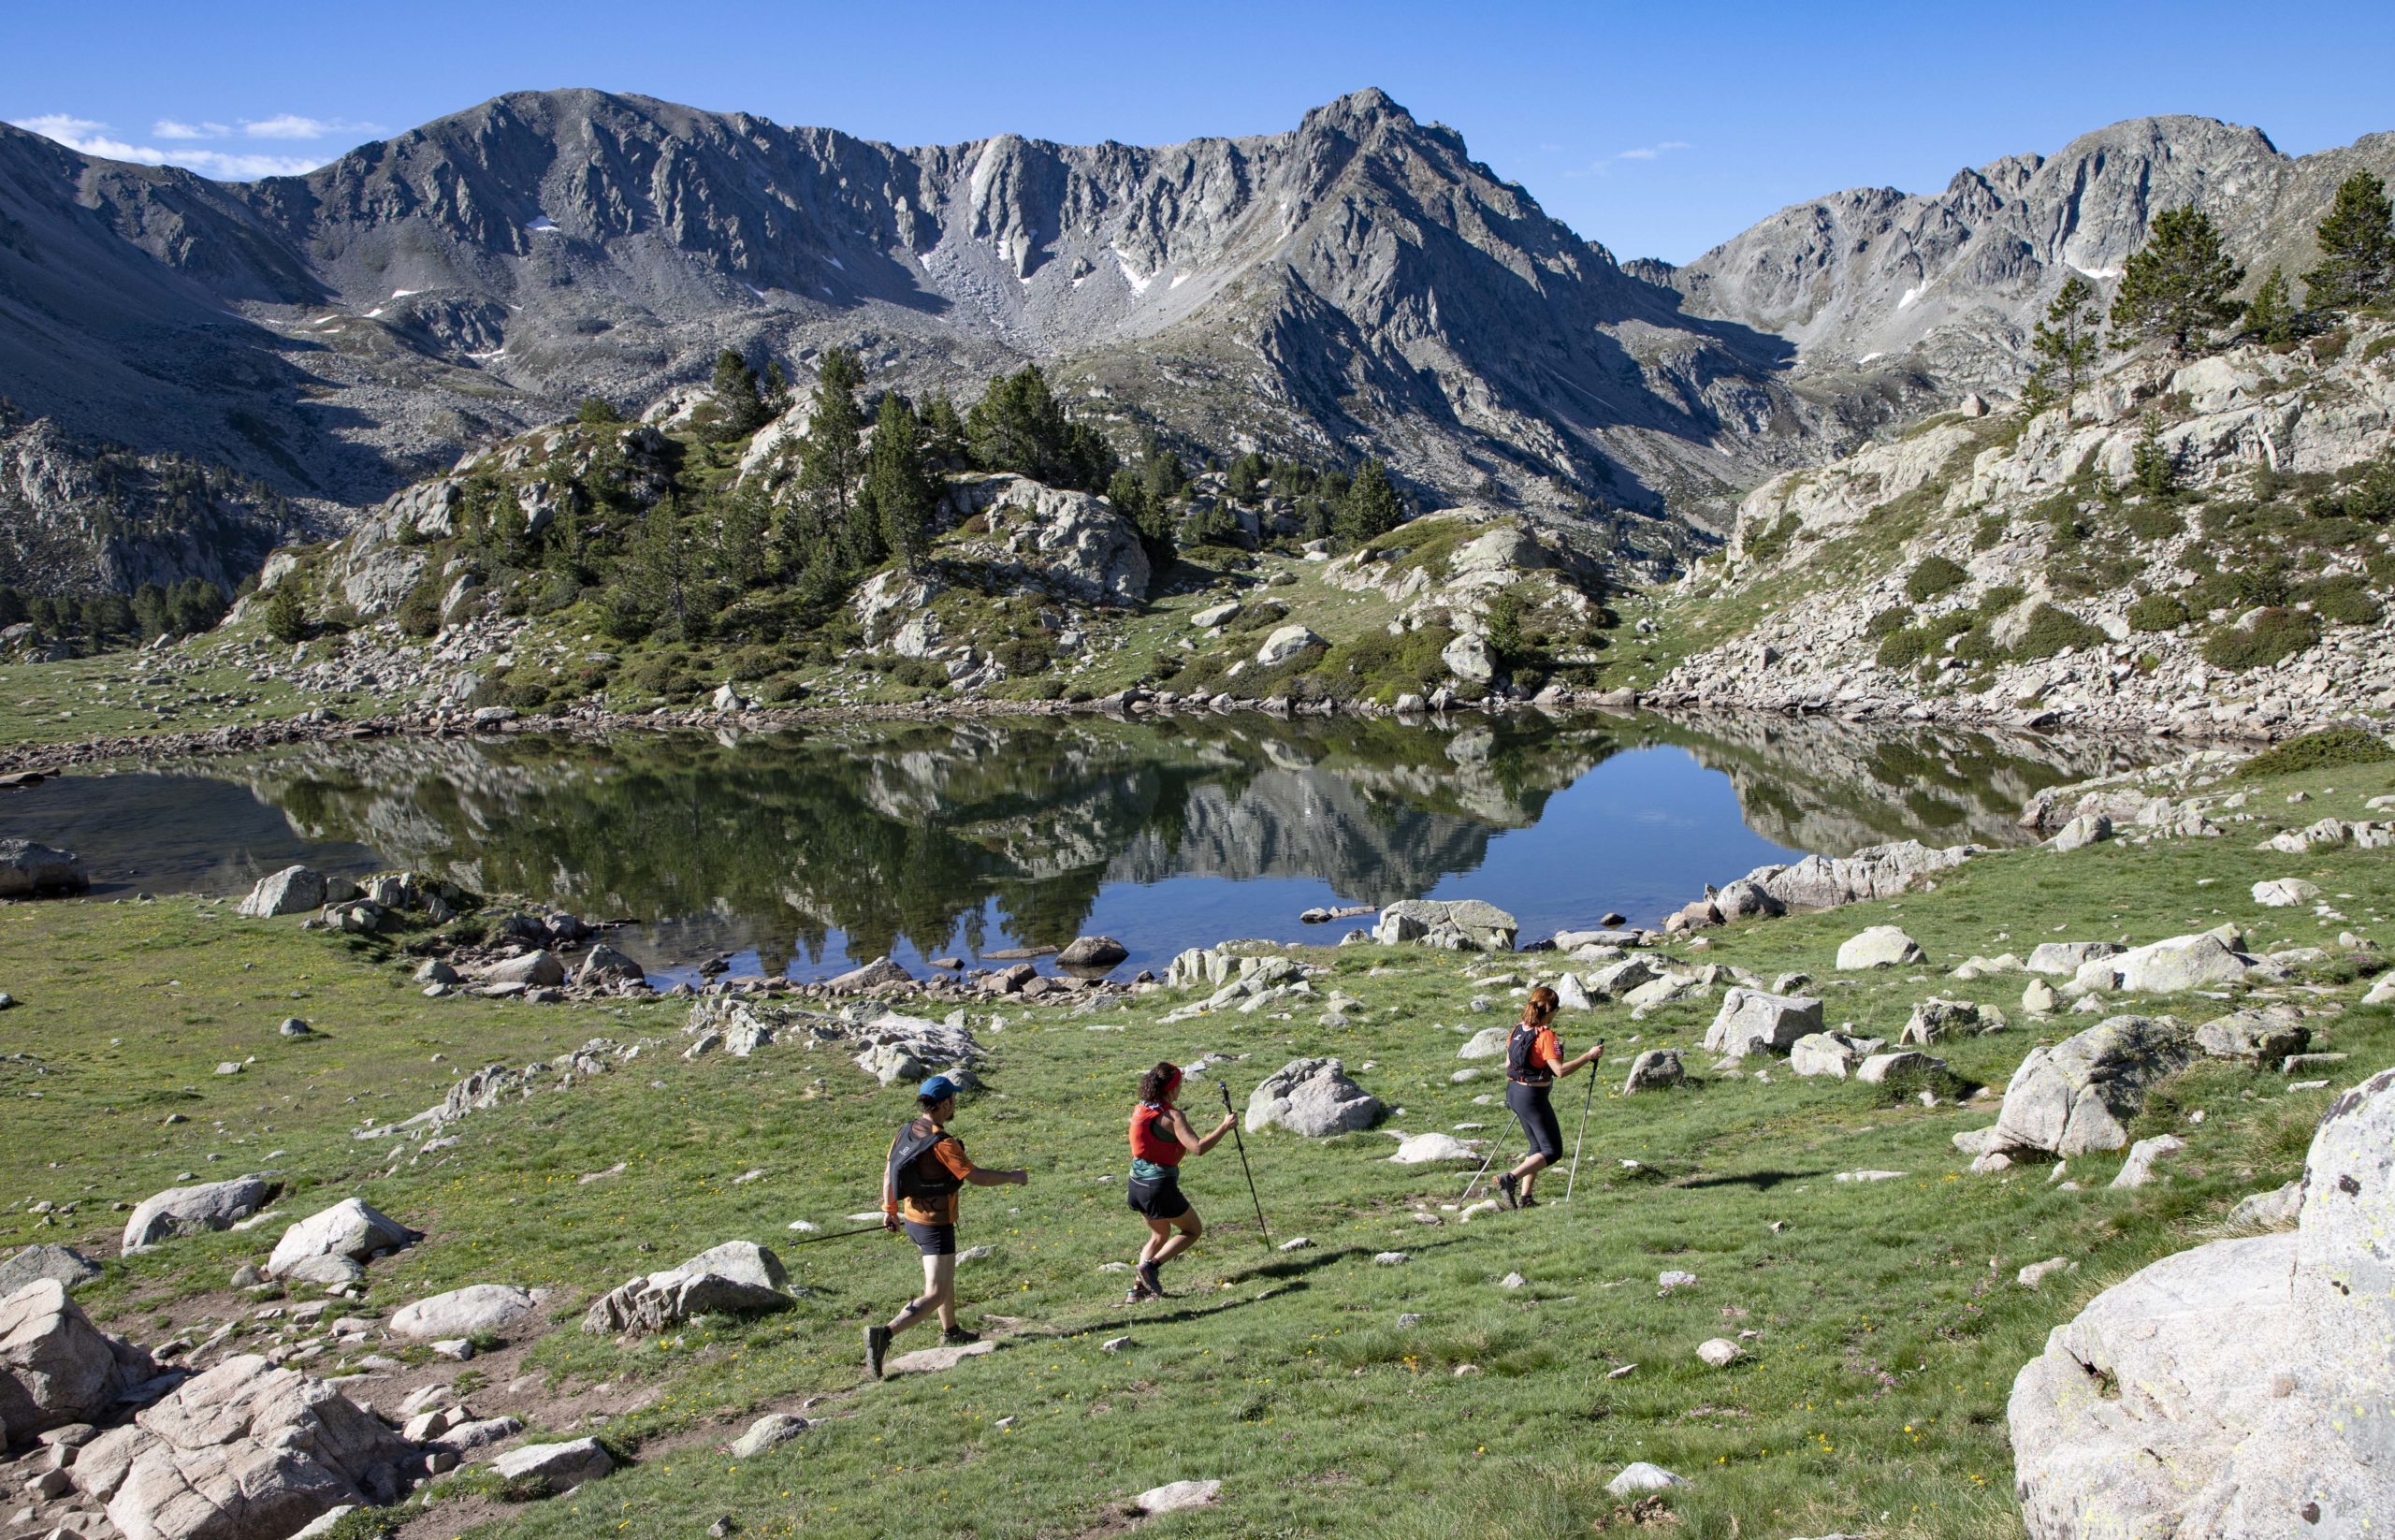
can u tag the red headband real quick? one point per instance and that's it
(1172, 1082)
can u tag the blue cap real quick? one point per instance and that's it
(937, 1088)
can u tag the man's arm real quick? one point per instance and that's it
(952, 1155)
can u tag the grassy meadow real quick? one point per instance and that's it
(1886, 1322)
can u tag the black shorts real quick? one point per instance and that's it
(1533, 1110)
(1158, 1199)
(933, 1239)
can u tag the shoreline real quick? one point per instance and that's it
(321, 726)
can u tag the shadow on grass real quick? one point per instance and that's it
(1761, 1182)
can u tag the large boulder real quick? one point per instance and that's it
(2237, 1389)
(294, 890)
(189, 1210)
(1092, 951)
(468, 1312)
(1881, 946)
(604, 967)
(28, 870)
(2265, 1036)
(2079, 1095)
(535, 969)
(351, 1227)
(1753, 1019)
(2062, 959)
(64, 1264)
(2182, 962)
(738, 1277)
(246, 1451)
(1460, 925)
(1313, 1098)
(56, 1367)
(1876, 871)
(1285, 644)
(1654, 1069)
(1834, 1055)
(558, 1467)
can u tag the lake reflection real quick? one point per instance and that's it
(803, 850)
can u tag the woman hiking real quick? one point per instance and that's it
(1160, 1136)
(1534, 1062)
(919, 1182)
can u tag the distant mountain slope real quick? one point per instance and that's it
(1356, 285)
(1954, 280)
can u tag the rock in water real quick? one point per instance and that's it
(1461, 924)
(1881, 946)
(1092, 951)
(1313, 1098)
(2079, 1095)
(2213, 1395)
(28, 870)
(188, 1211)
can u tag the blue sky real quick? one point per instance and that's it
(1655, 129)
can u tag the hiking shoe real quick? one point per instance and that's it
(1506, 1183)
(877, 1346)
(1138, 1295)
(1149, 1279)
(958, 1337)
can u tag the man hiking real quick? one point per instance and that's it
(1534, 1062)
(926, 1168)
(1160, 1136)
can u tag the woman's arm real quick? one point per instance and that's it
(1569, 1066)
(1189, 1137)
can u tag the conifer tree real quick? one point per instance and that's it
(2270, 318)
(2357, 248)
(2065, 339)
(1371, 507)
(896, 485)
(828, 461)
(2177, 286)
(736, 396)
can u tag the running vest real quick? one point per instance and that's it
(1151, 1137)
(905, 1174)
(1519, 1066)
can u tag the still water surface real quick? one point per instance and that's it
(805, 851)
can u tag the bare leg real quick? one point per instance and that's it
(1526, 1172)
(1159, 1231)
(939, 1297)
(1174, 1236)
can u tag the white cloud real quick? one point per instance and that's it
(92, 139)
(291, 125)
(1654, 152)
(167, 128)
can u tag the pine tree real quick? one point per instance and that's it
(736, 396)
(741, 521)
(663, 575)
(1371, 507)
(1149, 514)
(2037, 393)
(2065, 339)
(2153, 465)
(2177, 286)
(943, 431)
(2357, 248)
(286, 613)
(897, 484)
(828, 461)
(2270, 316)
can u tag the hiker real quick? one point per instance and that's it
(1160, 1136)
(927, 1166)
(1534, 1062)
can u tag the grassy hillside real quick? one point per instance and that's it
(1887, 1324)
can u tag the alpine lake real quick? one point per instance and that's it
(804, 851)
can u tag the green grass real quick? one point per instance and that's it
(1871, 1401)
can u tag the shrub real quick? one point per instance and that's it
(286, 613)
(1990, 532)
(2051, 630)
(2326, 750)
(1902, 648)
(2343, 599)
(1934, 575)
(2151, 521)
(1894, 618)
(420, 613)
(1021, 655)
(2273, 636)
(1770, 544)
(2002, 598)
(2158, 612)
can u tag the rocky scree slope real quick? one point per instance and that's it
(1357, 283)
(1988, 568)
(1955, 282)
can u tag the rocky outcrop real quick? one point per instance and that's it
(63, 1264)
(1462, 924)
(1313, 1097)
(1755, 1021)
(2079, 1095)
(56, 1367)
(351, 1229)
(242, 1452)
(2234, 1389)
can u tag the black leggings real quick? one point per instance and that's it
(1535, 1112)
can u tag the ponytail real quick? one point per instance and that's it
(1540, 1007)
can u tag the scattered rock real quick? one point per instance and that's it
(561, 1467)
(1461, 924)
(189, 1210)
(1176, 1496)
(496, 1309)
(1313, 1097)
(2037, 1273)
(2284, 892)
(1639, 1476)
(774, 1428)
(1881, 946)
(2078, 1095)
(936, 1360)
(56, 1368)
(738, 1277)
(62, 1264)
(2138, 1169)
(349, 1229)
(1422, 1149)
(1720, 1352)
(1751, 1020)
(1092, 951)
(1655, 1069)
(28, 870)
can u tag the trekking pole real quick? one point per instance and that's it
(1585, 1100)
(1478, 1174)
(1242, 1145)
(836, 1235)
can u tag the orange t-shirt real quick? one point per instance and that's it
(1546, 1053)
(936, 1208)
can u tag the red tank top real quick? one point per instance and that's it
(1151, 1137)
